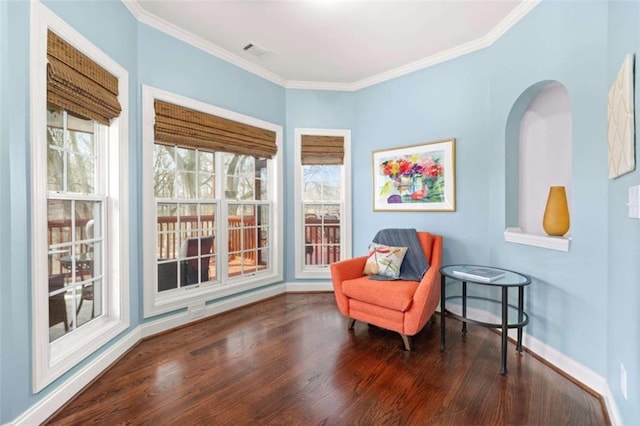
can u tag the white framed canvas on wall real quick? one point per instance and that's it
(620, 122)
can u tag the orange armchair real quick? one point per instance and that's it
(400, 306)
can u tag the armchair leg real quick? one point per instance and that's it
(407, 341)
(351, 323)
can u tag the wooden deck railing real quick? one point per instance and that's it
(322, 237)
(239, 228)
(322, 240)
(59, 231)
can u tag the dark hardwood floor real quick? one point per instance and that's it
(290, 360)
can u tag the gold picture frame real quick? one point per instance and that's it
(415, 178)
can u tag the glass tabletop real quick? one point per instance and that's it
(487, 275)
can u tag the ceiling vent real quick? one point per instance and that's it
(255, 50)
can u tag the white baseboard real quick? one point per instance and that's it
(612, 407)
(176, 320)
(44, 408)
(308, 286)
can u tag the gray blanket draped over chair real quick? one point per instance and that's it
(414, 264)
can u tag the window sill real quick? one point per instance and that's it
(318, 273)
(516, 235)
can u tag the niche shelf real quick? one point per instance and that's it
(538, 148)
(518, 236)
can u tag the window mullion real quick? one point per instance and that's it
(65, 152)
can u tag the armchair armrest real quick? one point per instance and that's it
(427, 295)
(342, 271)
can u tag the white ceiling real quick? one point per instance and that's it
(332, 43)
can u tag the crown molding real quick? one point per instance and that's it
(168, 28)
(487, 40)
(320, 85)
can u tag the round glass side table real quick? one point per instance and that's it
(486, 276)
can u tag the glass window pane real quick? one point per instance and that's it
(81, 141)
(321, 183)
(247, 165)
(312, 211)
(239, 177)
(80, 174)
(312, 184)
(168, 241)
(168, 245)
(186, 185)
(55, 137)
(207, 219)
(264, 237)
(164, 170)
(85, 310)
(206, 185)
(87, 214)
(97, 298)
(167, 276)
(189, 224)
(186, 159)
(209, 262)
(55, 169)
(263, 215)
(263, 258)
(59, 221)
(330, 211)
(331, 183)
(58, 315)
(313, 255)
(206, 161)
(56, 265)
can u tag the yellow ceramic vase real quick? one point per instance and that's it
(556, 214)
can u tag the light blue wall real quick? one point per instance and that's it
(5, 212)
(624, 234)
(445, 101)
(309, 109)
(16, 319)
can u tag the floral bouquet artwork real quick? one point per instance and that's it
(419, 177)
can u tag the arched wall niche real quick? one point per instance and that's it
(538, 146)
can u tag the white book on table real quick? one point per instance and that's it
(479, 274)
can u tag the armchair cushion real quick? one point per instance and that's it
(415, 263)
(384, 260)
(396, 295)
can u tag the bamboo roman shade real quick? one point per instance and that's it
(78, 84)
(322, 150)
(177, 125)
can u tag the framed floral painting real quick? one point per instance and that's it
(415, 178)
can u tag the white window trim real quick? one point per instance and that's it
(303, 272)
(51, 360)
(196, 298)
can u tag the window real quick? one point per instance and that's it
(216, 230)
(186, 211)
(75, 214)
(323, 194)
(79, 202)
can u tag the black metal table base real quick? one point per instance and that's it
(504, 325)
